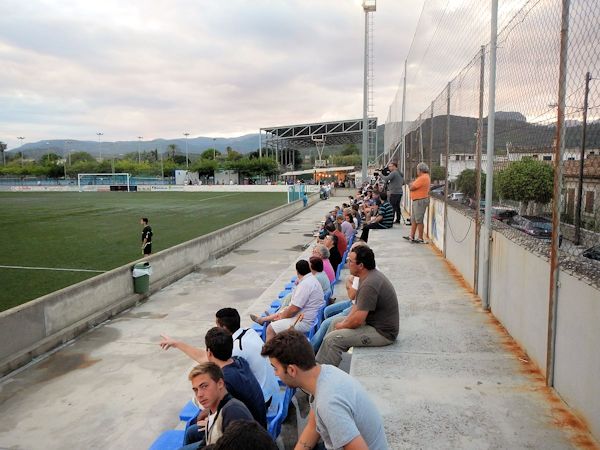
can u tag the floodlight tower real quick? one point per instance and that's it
(20, 138)
(187, 160)
(99, 145)
(369, 6)
(139, 151)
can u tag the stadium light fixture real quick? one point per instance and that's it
(99, 146)
(187, 160)
(20, 138)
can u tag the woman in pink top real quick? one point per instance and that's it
(323, 252)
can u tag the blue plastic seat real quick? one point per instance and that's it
(169, 440)
(274, 425)
(189, 411)
(289, 286)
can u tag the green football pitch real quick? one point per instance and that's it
(42, 232)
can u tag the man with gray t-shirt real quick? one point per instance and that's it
(394, 181)
(341, 412)
(374, 320)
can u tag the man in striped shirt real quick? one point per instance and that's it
(383, 220)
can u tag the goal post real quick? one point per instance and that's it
(103, 181)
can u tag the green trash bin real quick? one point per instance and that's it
(141, 277)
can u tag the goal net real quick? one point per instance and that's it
(103, 182)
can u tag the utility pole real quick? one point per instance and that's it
(577, 239)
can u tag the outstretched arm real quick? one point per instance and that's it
(195, 353)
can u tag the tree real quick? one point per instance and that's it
(350, 149)
(438, 173)
(527, 180)
(171, 150)
(81, 156)
(2, 148)
(466, 183)
(232, 155)
(210, 154)
(49, 158)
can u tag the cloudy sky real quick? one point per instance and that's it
(158, 68)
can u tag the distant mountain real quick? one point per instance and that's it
(243, 144)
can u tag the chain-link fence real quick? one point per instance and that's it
(445, 121)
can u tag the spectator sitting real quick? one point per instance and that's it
(342, 242)
(321, 251)
(239, 380)
(335, 258)
(303, 309)
(346, 225)
(341, 411)
(383, 220)
(245, 434)
(373, 321)
(316, 268)
(247, 344)
(223, 409)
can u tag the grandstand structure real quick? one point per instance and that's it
(280, 140)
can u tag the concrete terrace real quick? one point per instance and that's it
(454, 379)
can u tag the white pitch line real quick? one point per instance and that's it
(218, 196)
(52, 268)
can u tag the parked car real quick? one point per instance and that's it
(536, 226)
(592, 253)
(502, 213)
(439, 189)
(456, 196)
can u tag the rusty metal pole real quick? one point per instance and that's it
(478, 172)
(577, 223)
(558, 163)
(430, 166)
(446, 156)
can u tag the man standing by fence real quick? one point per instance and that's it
(419, 194)
(394, 181)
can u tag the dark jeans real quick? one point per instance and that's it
(372, 226)
(395, 200)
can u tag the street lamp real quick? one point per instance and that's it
(99, 146)
(20, 138)
(187, 161)
(139, 152)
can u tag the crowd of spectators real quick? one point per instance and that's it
(236, 383)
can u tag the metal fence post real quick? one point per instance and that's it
(446, 156)
(478, 172)
(558, 163)
(485, 297)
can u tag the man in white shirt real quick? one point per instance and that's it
(303, 310)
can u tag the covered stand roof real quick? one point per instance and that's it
(335, 133)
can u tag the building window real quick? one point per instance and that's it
(589, 202)
(547, 158)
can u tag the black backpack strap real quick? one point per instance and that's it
(239, 338)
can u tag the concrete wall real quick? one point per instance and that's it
(519, 286)
(577, 357)
(34, 328)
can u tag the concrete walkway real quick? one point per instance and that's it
(451, 380)
(454, 378)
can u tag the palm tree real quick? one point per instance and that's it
(2, 148)
(171, 150)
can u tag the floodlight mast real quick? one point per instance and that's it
(369, 6)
